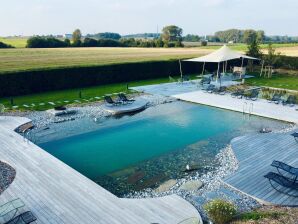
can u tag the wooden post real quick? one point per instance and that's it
(226, 66)
(181, 69)
(262, 68)
(203, 68)
(217, 71)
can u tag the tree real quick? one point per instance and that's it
(271, 58)
(4, 45)
(254, 49)
(172, 33)
(260, 36)
(249, 36)
(76, 38)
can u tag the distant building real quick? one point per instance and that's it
(231, 42)
(68, 36)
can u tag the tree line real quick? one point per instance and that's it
(171, 37)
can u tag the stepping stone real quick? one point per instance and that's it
(41, 104)
(15, 107)
(59, 102)
(77, 101)
(97, 97)
(86, 100)
(33, 105)
(230, 194)
(212, 195)
(192, 185)
(25, 105)
(66, 101)
(51, 103)
(200, 200)
(166, 186)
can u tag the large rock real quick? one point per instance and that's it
(192, 185)
(166, 186)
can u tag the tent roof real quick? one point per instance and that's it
(220, 55)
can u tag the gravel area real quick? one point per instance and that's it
(7, 175)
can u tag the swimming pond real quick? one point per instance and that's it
(134, 152)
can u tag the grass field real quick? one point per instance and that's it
(58, 97)
(15, 42)
(35, 59)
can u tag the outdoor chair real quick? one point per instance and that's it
(238, 94)
(287, 168)
(253, 95)
(295, 135)
(205, 81)
(11, 207)
(221, 90)
(291, 101)
(24, 218)
(110, 101)
(275, 98)
(123, 98)
(210, 88)
(275, 178)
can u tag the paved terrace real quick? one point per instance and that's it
(255, 153)
(58, 194)
(260, 107)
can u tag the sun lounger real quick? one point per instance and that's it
(291, 101)
(110, 101)
(275, 98)
(123, 98)
(238, 94)
(205, 81)
(210, 88)
(24, 218)
(221, 90)
(285, 167)
(283, 182)
(252, 95)
(11, 207)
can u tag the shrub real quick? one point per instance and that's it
(45, 42)
(220, 211)
(204, 43)
(4, 45)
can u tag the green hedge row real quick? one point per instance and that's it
(287, 62)
(29, 82)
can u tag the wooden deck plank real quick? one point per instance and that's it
(255, 153)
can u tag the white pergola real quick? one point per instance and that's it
(222, 55)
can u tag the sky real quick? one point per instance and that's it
(202, 17)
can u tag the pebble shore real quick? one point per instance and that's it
(7, 175)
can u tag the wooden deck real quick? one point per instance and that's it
(58, 194)
(255, 153)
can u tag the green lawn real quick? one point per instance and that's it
(73, 94)
(277, 81)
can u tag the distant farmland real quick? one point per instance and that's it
(23, 59)
(15, 42)
(12, 60)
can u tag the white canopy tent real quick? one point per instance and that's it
(222, 55)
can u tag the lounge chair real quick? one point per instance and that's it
(238, 94)
(275, 98)
(110, 101)
(124, 99)
(295, 135)
(287, 168)
(11, 207)
(221, 90)
(291, 101)
(24, 218)
(253, 95)
(210, 88)
(284, 182)
(205, 81)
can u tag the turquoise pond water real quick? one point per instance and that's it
(142, 150)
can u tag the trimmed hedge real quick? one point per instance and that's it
(28, 82)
